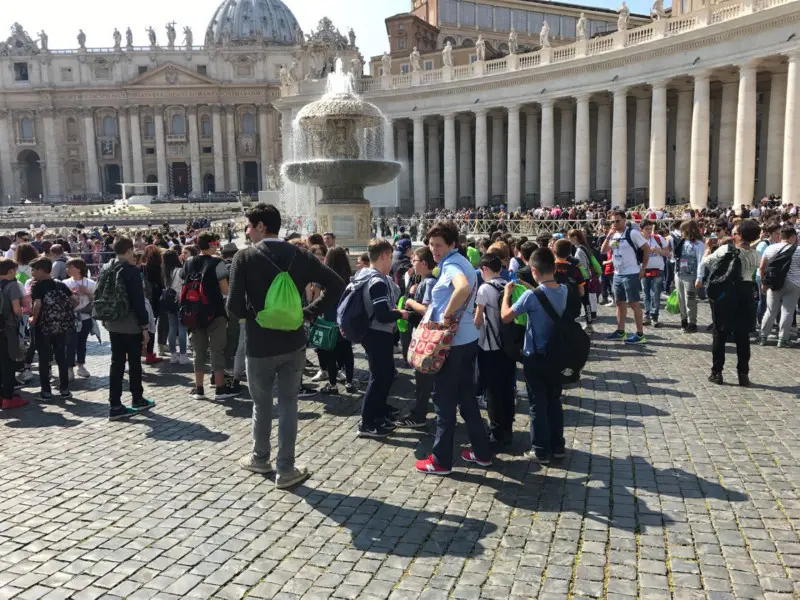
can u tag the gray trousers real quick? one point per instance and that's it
(261, 375)
(239, 359)
(687, 299)
(781, 302)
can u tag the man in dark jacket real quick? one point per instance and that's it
(273, 353)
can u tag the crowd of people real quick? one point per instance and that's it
(491, 308)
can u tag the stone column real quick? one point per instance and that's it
(603, 146)
(388, 140)
(583, 150)
(683, 148)
(434, 183)
(481, 160)
(161, 150)
(92, 169)
(698, 167)
(194, 151)
(51, 156)
(6, 173)
(547, 186)
(775, 129)
(531, 152)
(727, 142)
(465, 156)
(658, 147)
(641, 144)
(125, 146)
(514, 195)
(136, 147)
(745, 168)
(791, 133)
(403, 187)
(233, 165)
(420, 200)
(498, 156)
(450, 167)
(264, 142)
(566, 151)
(619, 150)
(219, 165)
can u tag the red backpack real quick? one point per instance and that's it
(200, 297)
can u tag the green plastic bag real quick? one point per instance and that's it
(672, 303)
(323, 335)
(283, 309)
(515, 295)
(402, 324)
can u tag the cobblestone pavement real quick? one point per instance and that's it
(672, 488)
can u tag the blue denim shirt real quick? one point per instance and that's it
(454, 264)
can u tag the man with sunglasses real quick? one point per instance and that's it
(20, 237)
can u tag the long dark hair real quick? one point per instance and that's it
(171, 262)
(339, 262)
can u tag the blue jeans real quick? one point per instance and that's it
(651, 287)
(627, 288)
(762, 303)
(177, 332)
(453, 389)
(76, 343)
(547, 415)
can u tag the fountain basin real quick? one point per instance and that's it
(342, 172)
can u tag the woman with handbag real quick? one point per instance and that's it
(82, 287)
(173, 283)
(452, 355)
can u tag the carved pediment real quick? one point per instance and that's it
(19, 43)
(170, 74)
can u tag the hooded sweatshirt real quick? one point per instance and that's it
(380, 298)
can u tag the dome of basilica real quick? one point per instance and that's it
(247, 21)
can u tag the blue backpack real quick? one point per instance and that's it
(352, 317)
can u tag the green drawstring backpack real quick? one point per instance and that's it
(283, 308)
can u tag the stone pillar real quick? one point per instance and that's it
(603, 146)
(531, 152)
(450, 166)
(583, 150)
(388, 140)
(514, 195)
(465, 157)
(6, 173)
(658, 147)
(727, 142)
(566, 151)
(619, 150)
(92, 169)
(698, 167)
(219, 168)
(125, 146)
(403, 187)
(161, 150)
(481, 160)
(498, 156)
(683, 148)
(420, 201)
(194, 151)
(791, 133)
(52, 161)
(264, 142)
(434, 183)
(233, 165)
(775, 129)
(745, 167)
(641, 144)
(136, 147)
(547, 186)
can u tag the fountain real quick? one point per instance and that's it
(338, 147)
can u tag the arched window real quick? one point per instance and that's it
(109, 126)
(149, 128)
(205, 127)
(177, 125)
(26, 129)
(72, 129)
(248, 124)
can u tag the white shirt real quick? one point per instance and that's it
(83, 301)
(793, 276)
(656, 261)
(622, 253)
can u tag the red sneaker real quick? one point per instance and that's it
(14, 403)
(469, 456)
(152, 359)
(429, 466)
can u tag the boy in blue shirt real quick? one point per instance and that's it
(544, 383)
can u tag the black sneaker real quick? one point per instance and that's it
(656, 322)
(65, 394)
(744, 380)
(411, 423)
(691, 328)
(540, 457)
(684, 324)
(198, 393)
(392, 412)
(372, 432)
(234, 384)
(647, 322)
(45, 395)
(715, 378)
(350, 388)
(120, 412)
(560, 453)
(307, 392)
(389, 424)
(143, 404)
(594, 316)
(223, 392)
(329, 389)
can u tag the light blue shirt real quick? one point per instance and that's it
(454, 264)
(540, 326)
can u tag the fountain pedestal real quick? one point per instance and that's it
(351, 222)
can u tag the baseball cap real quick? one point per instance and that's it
(403, 245)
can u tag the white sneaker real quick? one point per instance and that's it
(83, 372)
(319, 376)
(185, 360)
(25, 376)
(174, 358)
(341, 377)
(71, 374)
(163, 350)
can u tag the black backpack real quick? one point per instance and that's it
(777, 269)
(568, 348)
(637, 251)
(722, 279)
(511, 337)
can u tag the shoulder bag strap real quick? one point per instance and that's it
(547, 306)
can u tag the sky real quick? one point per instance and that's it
(61, 19)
